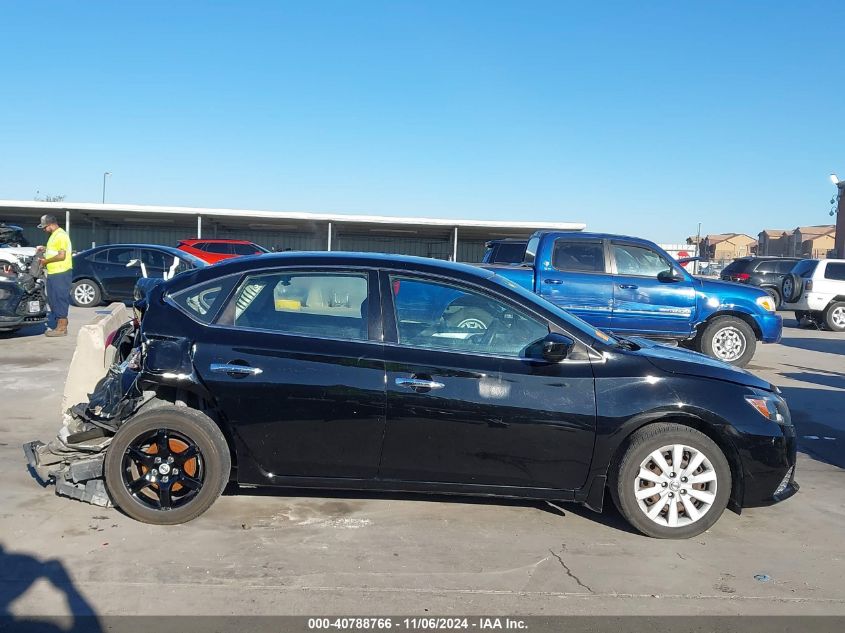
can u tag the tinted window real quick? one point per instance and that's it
(200, 246)
(784, 266)
(508, 253)
(244, 249)
(155, 259)
(217, 247)
(767, 266)
(736, 266)
(639, 261)
(101, 256)
(435, 315)
(834, 271)
(326, 305)
(203, 301)
(805, 268)
(578, 256)
(121, 255)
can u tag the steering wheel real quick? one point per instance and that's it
(486, 339)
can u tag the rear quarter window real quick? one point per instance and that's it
(835, 271)
(203, 301)
(805, 268)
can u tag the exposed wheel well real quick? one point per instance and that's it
(737, 482)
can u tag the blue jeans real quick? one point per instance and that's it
(58, 293)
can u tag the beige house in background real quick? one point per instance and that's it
(775, 242)
(725, 246)
(812, 241)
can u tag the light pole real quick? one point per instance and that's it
(697, 249)
(839, 212)
(105, 173)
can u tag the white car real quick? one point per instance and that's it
(815, 288)
(20, 255)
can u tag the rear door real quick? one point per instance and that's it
(118, 280)
(642, 303)
(576, 278)
(468, 406)
(295, 364)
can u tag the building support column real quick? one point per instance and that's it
(455, 244)
(199, 227)
(839, 238)
(93, 232)
(329, 238)
(67, 222)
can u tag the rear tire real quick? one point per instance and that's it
(85, 293)
(697, 504)
(834, 316)
(167, 465)
(729, 339)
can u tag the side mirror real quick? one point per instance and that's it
(556, 347)
(669, 276)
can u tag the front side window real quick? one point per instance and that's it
(639, 261)
(578, 256)
(435, 315)
(323, 305)
(155, 259)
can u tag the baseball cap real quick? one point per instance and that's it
(47, 220)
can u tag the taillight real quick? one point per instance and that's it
(740, 277)
(808, 285)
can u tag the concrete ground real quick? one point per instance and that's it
(270, 553)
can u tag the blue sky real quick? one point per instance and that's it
(640, 118)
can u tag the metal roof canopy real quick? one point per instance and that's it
(328, 227)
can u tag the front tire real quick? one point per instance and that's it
(775, 295)
(834, 316)
(167, 465)
(729, 339)
(671, 482)
(85, 293)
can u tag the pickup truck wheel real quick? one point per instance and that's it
(834, 316)
(729, 339)
(469, 318)
(671, 482)
(167, 465)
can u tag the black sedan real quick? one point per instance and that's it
(353, 371)
(104, 273)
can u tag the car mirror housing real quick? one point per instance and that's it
(669, 276)
(556, 347)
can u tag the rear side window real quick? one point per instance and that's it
(215, 247)
(121, 255)
(322, 305)
(834, 271)
(805, 268)
(767, 266)
(784, 266)
(578, 256)
(202, 302)
(243, 249)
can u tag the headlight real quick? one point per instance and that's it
(770, 406)
(767, 303)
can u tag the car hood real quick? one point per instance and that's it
(676, 360)
(728, 288)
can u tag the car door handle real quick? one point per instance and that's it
(556, 282)
(241, 370)
(629, 286)
(418, 383)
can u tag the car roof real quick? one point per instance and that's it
(333, 258)
(198, 240)
(582, 235)
(170, 250)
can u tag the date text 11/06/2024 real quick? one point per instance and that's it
(417, 624)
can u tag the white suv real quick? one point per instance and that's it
(815, 288)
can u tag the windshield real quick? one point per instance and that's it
(577, 324)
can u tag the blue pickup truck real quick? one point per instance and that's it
(631, 287)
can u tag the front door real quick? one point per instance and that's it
(295, 365)
(467, 406)
(644, 304)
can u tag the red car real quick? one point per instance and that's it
(213, 251)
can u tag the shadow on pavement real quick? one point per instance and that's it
(818, 416)
(834, 343)
(25, 332)
(19, 572)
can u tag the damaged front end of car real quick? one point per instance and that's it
(145, 374)
(23, 300)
